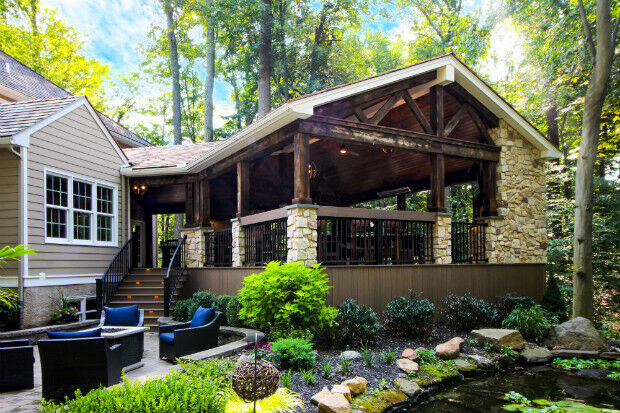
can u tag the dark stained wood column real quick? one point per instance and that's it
(488, 188)
(438, 183)
(190, 205)
(197, 203)
(301, 178)
(204, 217)
(401, 202)
(148, 238)
(243, 188)
(436, 110)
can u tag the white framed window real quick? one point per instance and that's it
(79, 211)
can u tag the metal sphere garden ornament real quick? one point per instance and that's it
(267, 379)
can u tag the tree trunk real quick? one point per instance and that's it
(264, 59)
(602, 56)
(174, 72)
(317, 54)
(209, 78)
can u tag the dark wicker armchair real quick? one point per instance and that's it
(102, 320)
(16, 365)
(188, 340)
(82, 363)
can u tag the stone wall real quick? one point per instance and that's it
(442, 239)
(520, 236)
(301, 231)
(40, 301)
(195, 246)
(238, 243)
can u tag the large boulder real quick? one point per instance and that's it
(357, 385)
(410, 354)
(533, 355)
(316, 399)
(576, 334)
(407, 365)
(481, 361)
(409, 387)
(334, 403)
(450, 349)
(499, 337)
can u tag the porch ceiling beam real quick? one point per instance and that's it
(418, 113)
(381, 136)
(163, 180)
(463, 96)
(455, 119)
(385, 108)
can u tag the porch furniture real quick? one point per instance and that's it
(179, 340)
(131, 340)
(16, 365)
(129, 316)
(82, 363)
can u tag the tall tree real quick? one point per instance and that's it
(173, 53)
(601, 53)
(264, 58)
(209, 78)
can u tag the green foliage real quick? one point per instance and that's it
(220, 303)
(508, 355)
(553, 301)
(287, 297)
(354, 323)
(509, 302)
(326, 369)
(286, 379)
(427, 356)
(308, 377)
(582, 364)
(389, 357)
(294, 353)
(14, 253)
(232, 313)
(345, 364)
(9, 301)
(202, 299)
(531, 322)
(174, 392)
(64, 313)
(282, 401)
(410, 317)
(520, 403)
(180, 311)
(467, 313)
(367, 355)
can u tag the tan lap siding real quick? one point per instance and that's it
(9, 206)
(74, 145)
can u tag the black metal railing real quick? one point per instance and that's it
(468, 242)
(364, 241)
(265, 242)
(167, 248)
(175, 272)
(218, 248)
(122, 263)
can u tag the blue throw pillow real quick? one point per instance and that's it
(202, 316)
(96, 332)
(122, 316)
(167, 337)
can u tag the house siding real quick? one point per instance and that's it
(75, 145)
(9, 207)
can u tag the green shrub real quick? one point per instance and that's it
(220, 303)
(294, 353)
(531, 322)
(510, 301)
(427, 356)
(174, 392)
(354, 323)
(466, 312)
(287, 296)
(202, 299)
(410, 317)
(232, 313)
(553, 300)
(180, 310)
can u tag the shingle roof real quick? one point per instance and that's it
(17, 116)
(167, 156)
(22, 79)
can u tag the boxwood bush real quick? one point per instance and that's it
(509, 302)
(466, 312)
(531, 322)
(232, 313)
(355, 324)
(294, 353)
(180, 310)
(410, 316)
(220, 303)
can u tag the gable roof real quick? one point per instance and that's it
(167, 156)
(30, 84)
(448, 68)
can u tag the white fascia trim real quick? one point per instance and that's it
(7, 142)
(172, 170)
(53, 280)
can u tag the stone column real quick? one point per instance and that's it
(494, 239)
(442, 238)
(238, 243)
(195, 246)
(301, 231)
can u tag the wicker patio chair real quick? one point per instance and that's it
(178, 340)
(16, 365)
(104, 322)
(82, 363)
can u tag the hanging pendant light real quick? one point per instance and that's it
(343, 149)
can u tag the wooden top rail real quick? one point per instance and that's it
(266, 216)
(363, 213)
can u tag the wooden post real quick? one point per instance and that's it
(401, 202)
(488, 188)
(301, 178)
(148, 238)
(204, 217)
(438, 183)
(436, 109)
(243, 188)
(190, 210)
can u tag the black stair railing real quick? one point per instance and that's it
(175, 272)
(122, 263)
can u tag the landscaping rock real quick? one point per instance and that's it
(320, 395)
(450, 349)
(357, 385)
(429, 374)
(410, 354)
(407, 365)
(499, 337)
(409, 387)
(344, 390)
(581, 354)
(576, 334)
(350, 355)
(377, 402)
(610, 355)
(536, 355)
(481, 361)
(334, 403)
(465, 365)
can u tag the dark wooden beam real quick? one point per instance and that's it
(385, 108)
(401, 202)
(482, 127)
(418, 113)
(243, 188)
(455, 119)
(436, 108)
(190, 205)
(382, 136)
(148, 238)
(204, 217)
(488, 188)
(152, 181)
(301, 179)
(438, 184)
(359, 114)
(463, 96)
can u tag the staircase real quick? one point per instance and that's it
(145, 287)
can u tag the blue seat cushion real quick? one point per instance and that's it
(167, 337)
(96, 332)
(122, 316)
(202, 316)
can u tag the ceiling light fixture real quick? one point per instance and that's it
(343, 149)
(139, 189)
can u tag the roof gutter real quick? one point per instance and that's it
(161, 171)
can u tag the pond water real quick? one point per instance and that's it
(484, 394)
